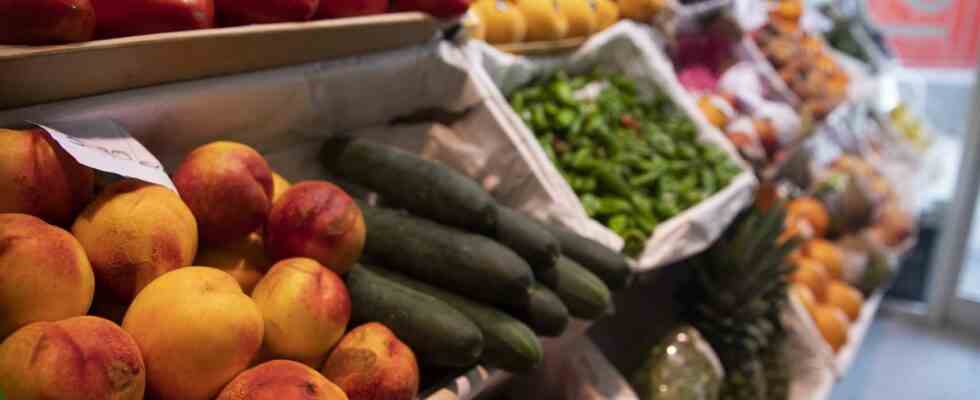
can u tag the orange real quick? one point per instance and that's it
(846, 298)
(828, 254)
(832, 324)
(813, 275)
(810, 210)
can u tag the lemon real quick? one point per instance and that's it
(502, 21)
(544, 21)
(640, 10)
(607, 13)
(581, 16)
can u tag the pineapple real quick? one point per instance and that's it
(734, 298)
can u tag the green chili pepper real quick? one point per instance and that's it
(613, 205)
(619, 223)
(612, 181)
(591, 204)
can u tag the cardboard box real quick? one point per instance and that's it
(38, 74)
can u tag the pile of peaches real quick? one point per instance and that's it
(43, 22)
(100, 295)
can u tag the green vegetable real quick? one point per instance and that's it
(621, 151)
(527, 238)
(544, 312)
(438, 333)
(446, 257)
(508, 343)
(607, 264)
(426, 188)
(582, 292)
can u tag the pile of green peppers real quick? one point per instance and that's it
(633, 160)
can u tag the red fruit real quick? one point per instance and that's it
(244, 12)
(35, 22)
(350, 8)
(140, 17)
(435, 8)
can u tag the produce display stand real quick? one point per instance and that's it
(37, 74)
(286, 88)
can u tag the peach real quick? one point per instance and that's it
(134, 232)
(370, 363)
(79, 358)
(349, 8)
(41, 179)
(140, 17)
(34, 22)
(305, 307)
(44, 273)
(316, 219)
(228, 187)
(279, 186)
(281, 380)
(244, 259)
(196, 330)
(243, 12)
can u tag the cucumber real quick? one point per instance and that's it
(508, 343)
(607, 264)
(423, 187)
(469, 264)
(527, 238)
(544, 311)
(438, 333)
(582, 292)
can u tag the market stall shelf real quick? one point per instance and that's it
(40, 74)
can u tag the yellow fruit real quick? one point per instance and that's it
(544, 21)
(582, 20)
(825, 253)
(810, 210)
(134, 232)
(813, 275)
(279, 186)
(502, 22)
(244, 259)
(305, 307)
(846, 298)
(607, 13)
(712, 112)
(640, 10)
(196, 331)
(832, 324)
(44, 273)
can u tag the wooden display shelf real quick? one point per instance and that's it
(39, 74)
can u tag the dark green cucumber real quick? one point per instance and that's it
(527, 238)
(508, 343)
(544, 312)
(582, 292)
(446, 257)
(438, 333)
(423, 187)
(607, 264)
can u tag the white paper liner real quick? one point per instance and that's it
(627, 48)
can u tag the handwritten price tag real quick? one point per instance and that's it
(105, 146)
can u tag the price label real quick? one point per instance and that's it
(107, 147)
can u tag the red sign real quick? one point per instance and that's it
(930, 33)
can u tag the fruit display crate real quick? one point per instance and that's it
(39, 74)
(618, 49)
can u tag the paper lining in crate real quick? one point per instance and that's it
(626, 48)
(287, 113)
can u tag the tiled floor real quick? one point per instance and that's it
(903, 360)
